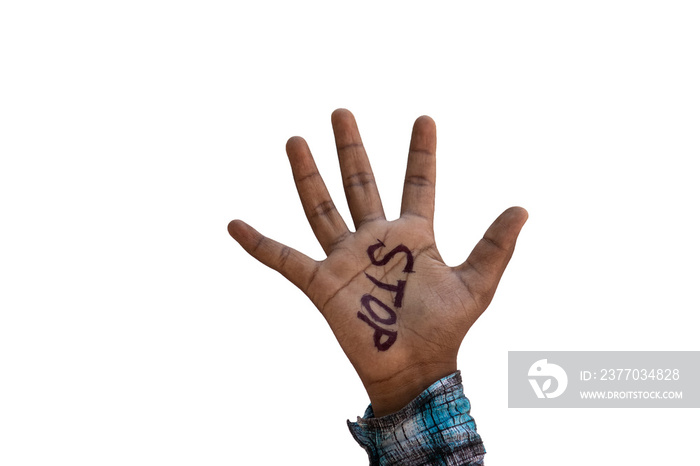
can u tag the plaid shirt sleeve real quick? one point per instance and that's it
(434, 429)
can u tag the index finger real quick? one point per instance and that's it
(419, 185)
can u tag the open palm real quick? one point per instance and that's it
(399, 313)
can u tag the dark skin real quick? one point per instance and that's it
(439, 303)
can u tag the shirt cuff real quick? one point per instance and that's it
(433, 429)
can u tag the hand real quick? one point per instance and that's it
(399, 313)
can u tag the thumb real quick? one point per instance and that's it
(488, 260)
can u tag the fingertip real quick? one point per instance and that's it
(295, 143)
(424, 135)
(341, 114)
(425, 127)
(508, 225)
(518, 213)
(233, 226)
(424, 120)
(238, 230)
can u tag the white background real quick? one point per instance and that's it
(134, 330)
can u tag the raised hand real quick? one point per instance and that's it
(399, 313)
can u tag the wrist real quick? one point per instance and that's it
(391, 394)
(434, 428)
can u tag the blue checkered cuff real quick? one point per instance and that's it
(433, 429)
